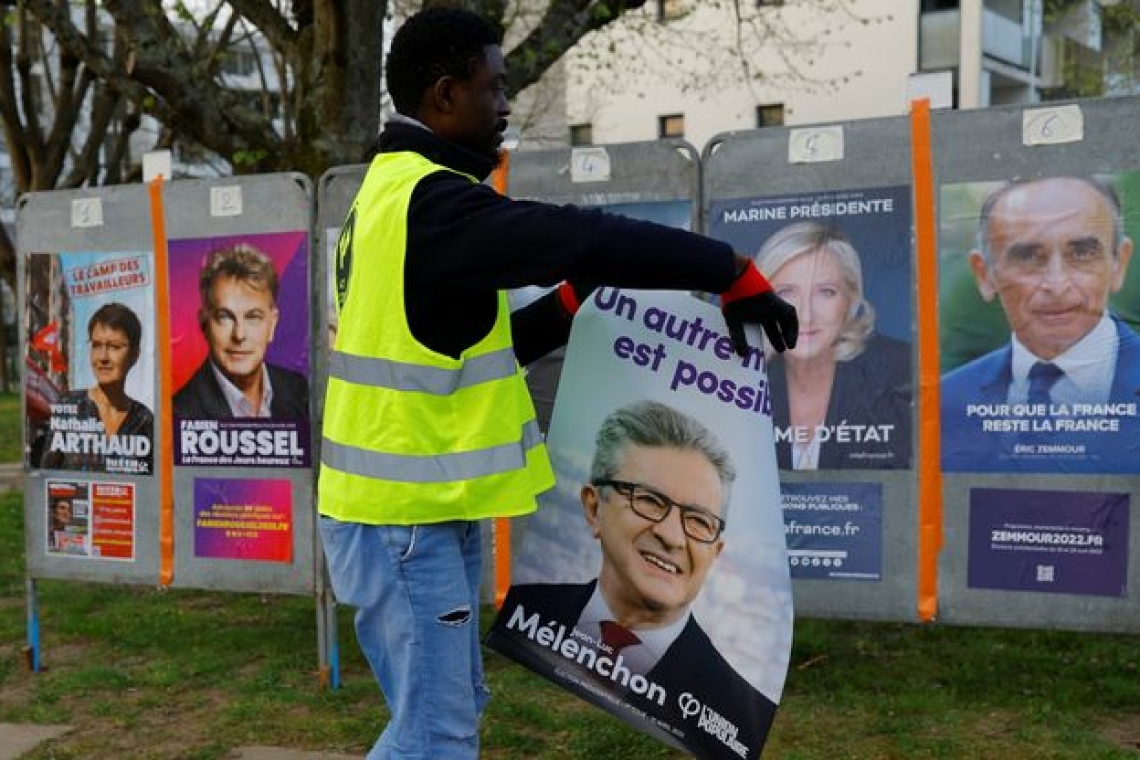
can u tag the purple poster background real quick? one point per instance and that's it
(243, 519)
(1057, 541)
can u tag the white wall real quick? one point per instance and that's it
(823, 63)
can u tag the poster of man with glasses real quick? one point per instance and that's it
(653, 580)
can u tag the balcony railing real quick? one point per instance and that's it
(1003, 39)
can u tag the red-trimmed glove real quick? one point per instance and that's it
(751, 300)
(573, 294)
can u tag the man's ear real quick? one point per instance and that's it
(1123, 257)
(442, 94)
(590, 504)
(718, 547)
(981, 271)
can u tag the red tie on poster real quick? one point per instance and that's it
(616, 636)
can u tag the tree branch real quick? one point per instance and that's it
(10, 114)
(55, 18)
(216, 117)
(563, 24)
(269, 21)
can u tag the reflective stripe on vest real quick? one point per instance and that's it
(405, 376)
(441, 468)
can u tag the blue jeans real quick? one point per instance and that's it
(416, 593)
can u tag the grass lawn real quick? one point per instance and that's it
(11, 430)
(189, 675)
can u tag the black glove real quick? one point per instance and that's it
(751, 300)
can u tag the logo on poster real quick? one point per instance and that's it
(712, 722)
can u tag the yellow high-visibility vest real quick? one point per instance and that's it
(411, 435)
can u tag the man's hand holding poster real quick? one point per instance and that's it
(653, 582)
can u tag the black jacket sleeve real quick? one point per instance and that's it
(540, 327)
(478, 239)
(466, 243)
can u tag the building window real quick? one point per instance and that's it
(581, 134)
(672, 125)
(667, 10)
(769, 3)
(771, 115)
(240, 63)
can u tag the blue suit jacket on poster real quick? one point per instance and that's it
(968, 447)
(692, 672)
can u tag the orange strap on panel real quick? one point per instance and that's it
(164, 458)
(502, 524)
(929, 444)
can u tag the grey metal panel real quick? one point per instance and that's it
(641, 172)
(44, 225)
(985, 145)
(270, 203)
(336, 190)
(755, 163)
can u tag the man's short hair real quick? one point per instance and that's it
(1102, 186)
(434, 43)
(655, 425)
(241, 262)
(118, 317)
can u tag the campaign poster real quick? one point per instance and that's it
(841, 399)
(90, 362)
(834, 530)
(243, 519)
(627, 589)
(240, 350)
(1039, 353)
(677, 213)
(1065, 542)
(90, 519)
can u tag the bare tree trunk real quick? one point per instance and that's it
(3, 347)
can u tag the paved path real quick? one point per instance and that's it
(11, 476)
(16, 739)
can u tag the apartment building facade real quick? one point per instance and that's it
(694, 68)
